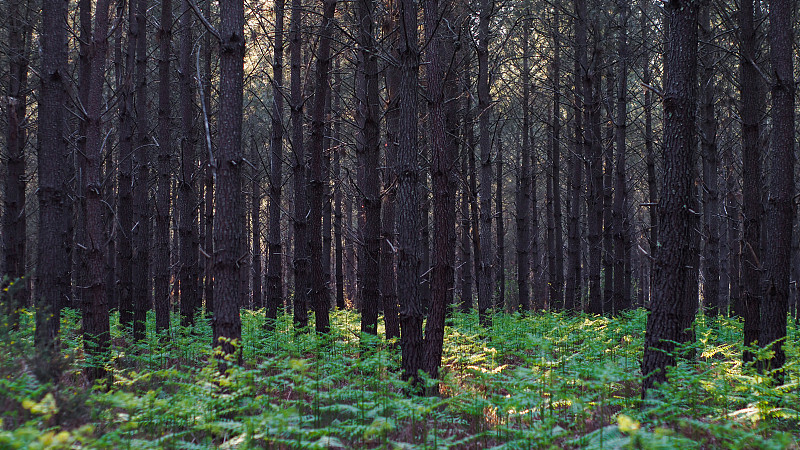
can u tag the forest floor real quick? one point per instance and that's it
(547, 380)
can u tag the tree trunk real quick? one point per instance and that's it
(622, 293)
(523, 197)
(486, 284)
(672, 312)
(407, 198)
(141, 229)
(96, 330)
(500, 300)
(608, 199)
(255, 228)
(557, 271)
(751, 92)
(337, 193)
(650, 159)
(780, 215)
(14, 217)
(161, 259)
(368, 117)
(318, 283)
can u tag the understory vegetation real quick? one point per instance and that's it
(545, 380)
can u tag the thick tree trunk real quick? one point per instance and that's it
(125, 192)
(407, 199)
(593, 152)
(300, 262)
(368, 117)
(14, 217)
(781, 212)
(486, 285)
(318, 283)
(752, 93)
(671, 311)
(163, 197)
(609, 274)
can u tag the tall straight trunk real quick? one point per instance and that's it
(327, 193)
(466, 236)
(751, 92)
(780, 215)
(274, 248)
(141, 229)
(486, 284)
(80, 270)
(255, 228)
(96, 329)
(473, 183)
(441, 82)
(573, 291)
(318, 283)
(593, 152)
(608, 198)
(337, 193)
(187, 185)
(388, 274)
(556, 292)
(125, 193)
(523, 197)
(708, 149)
(54, 246)
(650, 158)
(733, 219)
(300, 212)
(622, 293)
(537, 285)
(500, 300)
(368, 118)
(161, 258)
(407, 198)
(208, 187)
(228, 227)
(14, 217)
(672, 310)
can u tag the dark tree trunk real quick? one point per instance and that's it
(557, 271)
(388, 286)
(80, 269)
(523, 197)
(255, 228)
(337, 193)
(781, 212)
(486, 284)
(608, 199)
(14, 217)
(318, 283)
(708, 149)
(161, 258)
(187, 186)
(593, 152)
(622, 292)
(274, 248)
(125, 193)
(441, 89)
(466, 236)
(407, 199)
(752, 92)
(572, 282)
(208, 204)
(500, 300)
(141, 229)
(650, 158)
(469, 140)
(537, 285)
(671, 311)
(368, 117)
(54, 246)
(300, 212)
(96, 332)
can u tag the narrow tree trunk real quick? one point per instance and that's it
(255, 228)
(708, 148)
(14, 217)
(650, 159)
(318, 283)
(671, 311)
(96, 329)
(622, 293)
(557, 271)
(187, 187)
(141, 229)
(228, 227)
(500, 300)
(781, 212)
(161, 259)
(523, 197)
(486, 285)
(337, 193)
(125, 193)
(608, 199)
(208, 206)
(593, 151)
(539, 295)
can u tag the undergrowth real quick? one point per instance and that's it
(546, 380)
